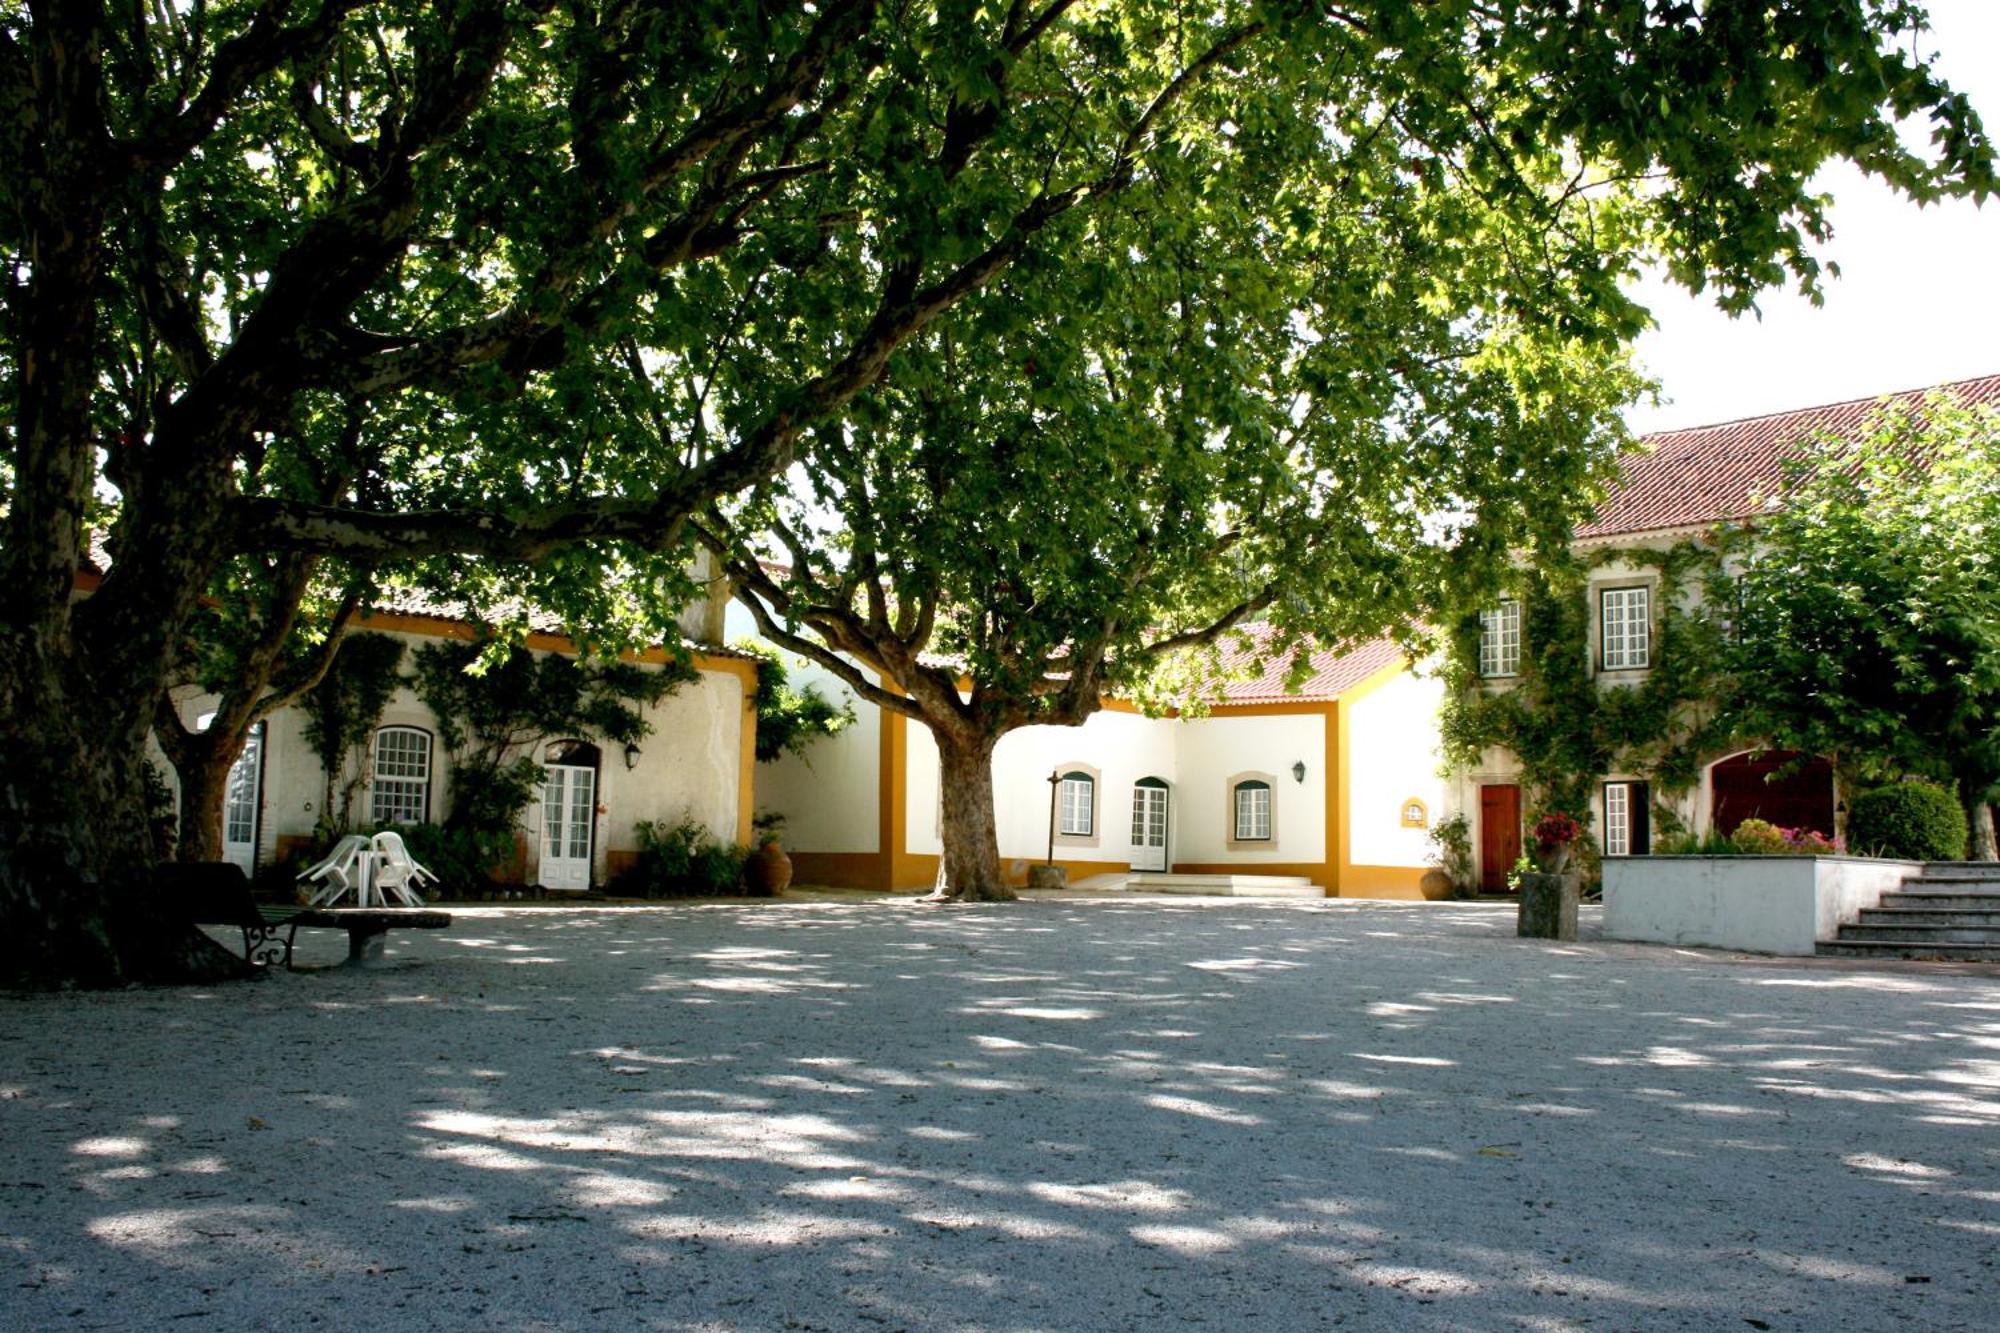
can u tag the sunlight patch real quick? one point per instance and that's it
(1205, 1110)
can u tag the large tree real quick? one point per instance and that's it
(227, 225)
(1357, 336)
(1865, 617)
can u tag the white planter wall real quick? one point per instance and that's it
(1763, 904)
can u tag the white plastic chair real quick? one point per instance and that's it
(396, 871)
(348, 867)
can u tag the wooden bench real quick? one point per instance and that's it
(215, 893)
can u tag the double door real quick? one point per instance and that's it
(1149, 825)
(569, 808)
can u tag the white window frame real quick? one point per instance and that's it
(1253, 817)
(1625, 628)
(1617, 819)
(1500, 641)
(401, 786)
(1076, 806)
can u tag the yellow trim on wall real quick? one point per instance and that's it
(1363, 881)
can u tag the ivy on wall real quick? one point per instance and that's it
(1569, 730)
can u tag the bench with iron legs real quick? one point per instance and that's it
(215, 893)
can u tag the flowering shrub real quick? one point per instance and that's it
(1757, 837)
(1556, 829)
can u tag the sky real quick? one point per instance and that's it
(1917, 302)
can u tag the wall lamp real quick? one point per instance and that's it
(631, 757)
(1299, 772)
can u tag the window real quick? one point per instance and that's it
(1500, 640)
(1416, 814)
(402, 788)
(1253, 811)
(1077, 804)
(1625, 615)
(1627, 819)
(1617, 819)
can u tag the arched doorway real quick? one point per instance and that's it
(569, 815)
(1778, 786)
(1149, 825)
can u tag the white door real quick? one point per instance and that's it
(240, 801)
(1149, 825)
(569, 802)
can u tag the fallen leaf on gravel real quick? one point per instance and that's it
(255, 1123)
(1495, 1150)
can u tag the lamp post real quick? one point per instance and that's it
(1055, 781)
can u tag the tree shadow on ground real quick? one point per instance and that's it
(1045, 1115)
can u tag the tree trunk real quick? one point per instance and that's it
(1979, 816)
(971, 844)
(204, 781)
(76, 847)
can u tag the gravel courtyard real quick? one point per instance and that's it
(1048, 1115)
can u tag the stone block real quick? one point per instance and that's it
(1548, 906)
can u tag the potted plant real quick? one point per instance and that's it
(769, 869)
(1450, 858)
(1555, 832)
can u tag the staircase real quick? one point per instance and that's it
(1951, 910)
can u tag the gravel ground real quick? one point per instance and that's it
(1047, 1115)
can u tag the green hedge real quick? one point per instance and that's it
(1911, 821)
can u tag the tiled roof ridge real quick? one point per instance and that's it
(1698, 476)
(1859, 400)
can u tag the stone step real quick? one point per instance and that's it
(1885, 932)
(1926, 915)
(1939, 900)
(1957, 953)
(1229, 886)
(1959, 872)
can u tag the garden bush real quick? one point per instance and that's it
(682, 861)
(1912, 821)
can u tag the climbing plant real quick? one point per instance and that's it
(789, 720)
(340, 714)
(491, 714)
(1566, 726)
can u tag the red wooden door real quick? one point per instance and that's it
(1499, 834)
(1748, 786)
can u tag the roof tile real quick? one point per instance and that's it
(1707, 474)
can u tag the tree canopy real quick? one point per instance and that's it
(396, 283)
(1866, 615)
(1357, 336)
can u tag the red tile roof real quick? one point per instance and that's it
(1692, 478)
(1335, 671)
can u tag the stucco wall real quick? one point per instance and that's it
(1393, 758)
(830, 796)
(1123, 747)
(1766, 904)
(688, 767)
(1213, 749)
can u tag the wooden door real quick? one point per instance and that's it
(1499, 834)
(1774, 785)
(569, 808)
(1149, 825)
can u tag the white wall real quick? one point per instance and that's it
(1123, 747)
(1393, 757)
(1214, 749)
(1766, 904)
(688, 766)
(829, 796)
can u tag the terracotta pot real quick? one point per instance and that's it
(1435, 886)
(770, 870)
(1551, 857)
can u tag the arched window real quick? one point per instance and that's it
(1251, 800)
(1076, 805)
(402, 787)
